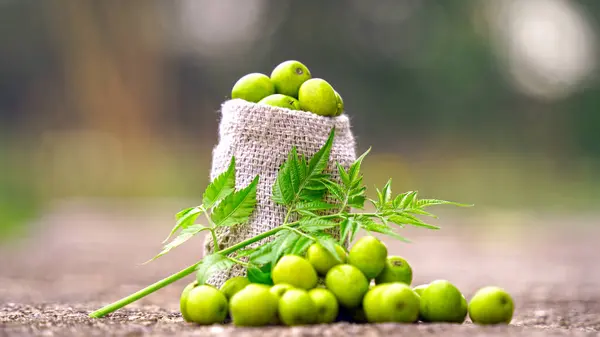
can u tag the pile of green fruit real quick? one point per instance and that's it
(290, 86)
(361, 285)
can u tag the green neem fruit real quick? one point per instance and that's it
(254, 305)
(348, 284)
(288, 76)
(295, 270)
(206, 305)
(369, 255)
(233, 285)
(296, 307)
(419, 291)
(253, 87)
(441, 301)
(183, 300)
(340, 104)
(317, 96)
(322, 260)
(280, 289)
(326, 305)
(391, 302)
(491, 305)
(396, 270)
(281, 101)
(420, 288)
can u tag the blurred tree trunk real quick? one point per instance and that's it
(113, 66)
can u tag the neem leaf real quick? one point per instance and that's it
(407, 219)
(422, 203)
(301, 246)
(211, 264)
(237, 207)
(288, 181)
(260, 274)
(369, 224)
(185, 218)
(186, 234)
(319, 160)
(220, 187)
(354, 170)
(315, 224)
(284, 244)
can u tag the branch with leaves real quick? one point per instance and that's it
(319, 207)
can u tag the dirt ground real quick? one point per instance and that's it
(82, 255)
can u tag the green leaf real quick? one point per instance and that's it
(288, 181)
(354, 170)
(335, 189)
(185, 218)
(343, 174)
(319, 160)
(407, 219)
(422, 203)
(346, 228)
(301, 246)
(299, 180)
(372, 226)
(285, 244)
(237, 207)
(387, 192)
(357, 201)
(265, 252)
(211, 264)
(408, 199)
(222, 186)
(185, 234)
(260, 274)
(315, 224)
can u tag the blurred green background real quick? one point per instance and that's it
(491, 102)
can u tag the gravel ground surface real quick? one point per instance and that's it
(83, 255)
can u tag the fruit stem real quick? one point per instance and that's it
(179, 275)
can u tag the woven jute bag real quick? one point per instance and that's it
(261, 137)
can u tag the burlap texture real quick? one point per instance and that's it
(260, 137)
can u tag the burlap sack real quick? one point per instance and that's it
(260, 138)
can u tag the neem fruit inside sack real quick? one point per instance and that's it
(288, 76)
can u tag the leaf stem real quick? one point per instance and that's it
(179, 275)
(301, 233)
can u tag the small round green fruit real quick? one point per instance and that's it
(322, 260)
(183, 300)
(206, 305)
(296, 271)
(288, 76)
(296, 307)
(369, 255)
(281, 101)
(340, 104)
(254, 305)
(348, 284)
(233, 285)
(491, 305)
(317, 96)
(391, 302)
(441, 301)
(253, 87)
(326, 305)
(396, 270)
